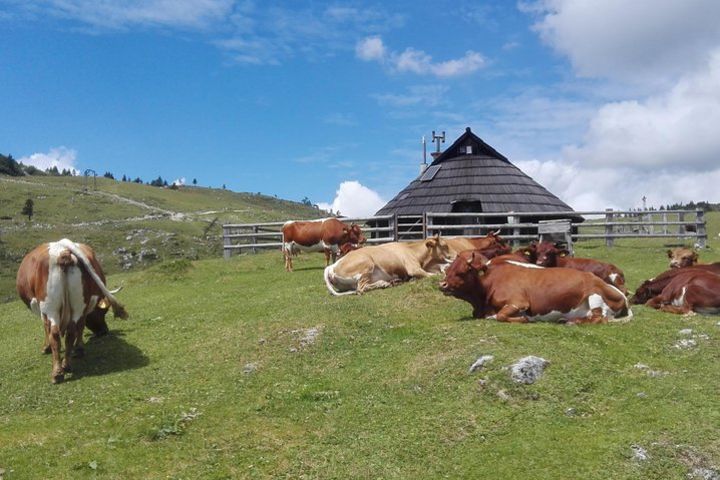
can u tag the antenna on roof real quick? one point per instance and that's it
(437, 139)
(423, 165)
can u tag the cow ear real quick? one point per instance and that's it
(430, 242)
(669, 253)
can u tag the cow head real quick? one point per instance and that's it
(547, 253)
(529, 253)
(682, 257)
(438, 253)
(353, 234)
(462, 280)
(643, 293)
(95, 320)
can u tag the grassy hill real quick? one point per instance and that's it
(121, 220)
(237, 369)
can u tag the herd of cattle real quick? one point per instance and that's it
(63, 282)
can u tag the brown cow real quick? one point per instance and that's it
(382, 266)
(654, 286)
(63, 283)
(524, 293)
(691, 290)
(551, 255)
(324, 235)
(682, 257)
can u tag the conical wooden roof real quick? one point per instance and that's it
(472, 171)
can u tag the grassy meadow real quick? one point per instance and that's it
(237, 369)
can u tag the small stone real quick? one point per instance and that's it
(641, 395)
(570, 412)
(686, 331)
(686, 343)
(639, 453)
(481, 362)
(704, 474)
(503, 395)
(249, 368)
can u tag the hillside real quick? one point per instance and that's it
(215, 375)
(130, 225)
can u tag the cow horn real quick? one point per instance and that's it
(497, 232)
(471, 259)
(116, 290)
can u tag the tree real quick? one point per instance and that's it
(109, 175)
(306, 201)
(194, 181)
(28, 208)
(138, 180)
(124, 178)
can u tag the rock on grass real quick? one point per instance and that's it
(528, 370)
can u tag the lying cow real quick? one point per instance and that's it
(692, 290)
(326, 235)
(682, 257)
(551, 255)
(490, 241)
(385, 265)
(654, 286)
(524, 293)
(63, 283)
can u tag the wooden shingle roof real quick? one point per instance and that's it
(472, 171)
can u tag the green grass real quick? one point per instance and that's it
(123, 214)
(212, 378)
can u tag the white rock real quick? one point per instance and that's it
(639, 453)
(481, 362)
(686, 331)
(528, 370)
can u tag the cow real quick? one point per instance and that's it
(654, 286)
(323, 235)
(682, 257)
(517, 292)
(489, 241)
(690, 291)
(63, 283)
(382, 266)
(552, 255)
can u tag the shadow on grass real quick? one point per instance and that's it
(303, 269)
(108, 354)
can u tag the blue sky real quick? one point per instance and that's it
(601, 102)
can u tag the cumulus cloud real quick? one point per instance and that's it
(417, 61)
(656, 138)
(352, 199)
(61, 157)
(641, 40)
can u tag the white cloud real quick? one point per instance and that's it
(179, 181)
(61, 157)
(371, 48)
(417, 61)
(352, 199)
(640, 40)
(118, 14)
(425, 95)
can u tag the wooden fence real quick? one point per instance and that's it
(515, 226)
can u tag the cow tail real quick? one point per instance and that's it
(328, 274)
(118, 309)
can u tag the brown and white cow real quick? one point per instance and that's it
(63, 283)
(552, 255)
(654, 286)
(323, 235)
(382, 266)
(691, 290)
(524, 292)
(682, 257)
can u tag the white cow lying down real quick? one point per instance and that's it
(385, 265)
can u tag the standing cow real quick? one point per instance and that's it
(324, 235)
(63, 283)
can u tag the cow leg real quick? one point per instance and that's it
(678, 310)
(288, 259)
(509, 314)
(655, 302)
(69, 346)
(328, 254)
(46, 330)
(57, 375)
(596, 316)
(79, 350)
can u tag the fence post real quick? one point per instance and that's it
(426, 224)
(664, 219)
(700, 229)
(227, 253)
(512, 219)
(254, 239)
(681, 226)
(393, 224)
(608, 228)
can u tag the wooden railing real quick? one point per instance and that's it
(515, 226)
